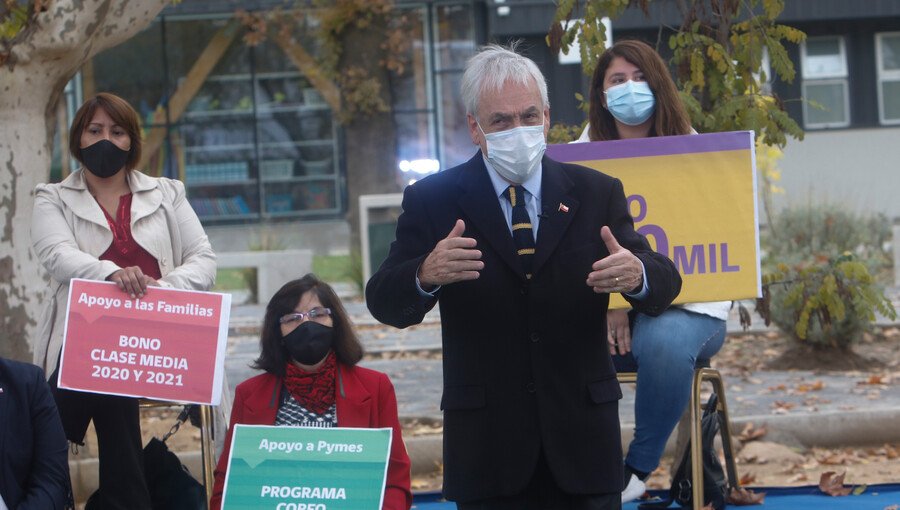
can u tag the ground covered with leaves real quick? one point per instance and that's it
(763, 462)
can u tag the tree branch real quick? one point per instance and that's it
(93, 26)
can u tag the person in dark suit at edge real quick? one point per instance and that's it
(34, 467)
(530, 396)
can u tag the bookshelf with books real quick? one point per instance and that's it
(260, 146)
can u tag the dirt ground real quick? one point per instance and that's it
(760, 462)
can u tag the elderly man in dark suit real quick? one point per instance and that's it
(34, 470)
(523, 278)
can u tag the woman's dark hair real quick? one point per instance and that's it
(670, 117)
(273, 356)
(120, 112)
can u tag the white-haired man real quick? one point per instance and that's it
(530, 395)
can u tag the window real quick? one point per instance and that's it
(454, 43)
(825, 88)
(432, 132)
(888, 53)
(414, 110)
(256, 141)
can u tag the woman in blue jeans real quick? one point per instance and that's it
(633, 96)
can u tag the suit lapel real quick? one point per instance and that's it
(262, 410)
(354, 402)
(560, 208)
(74, 193)
(146, 199)
(483, 211)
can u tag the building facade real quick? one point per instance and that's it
(259, 148)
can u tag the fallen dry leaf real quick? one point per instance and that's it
(859, 489)
(744, 497)
(836, 459)
(782, 407)
(890, 452)
(750, 433)
(419, 483)
(873, 380)
(833, 484)
(747, 479)
(804, 388)
(799, 477)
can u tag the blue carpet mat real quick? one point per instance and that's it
(876, 497)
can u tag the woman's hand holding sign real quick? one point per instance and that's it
(132, 281)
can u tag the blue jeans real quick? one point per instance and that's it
(666, 349)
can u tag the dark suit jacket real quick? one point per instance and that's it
(34, 468)
(367, 401)
(526, 365)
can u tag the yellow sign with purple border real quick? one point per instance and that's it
(694, 198)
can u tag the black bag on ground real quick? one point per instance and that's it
(169, 482)
(715, 486)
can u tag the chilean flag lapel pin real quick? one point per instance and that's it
(563, 207)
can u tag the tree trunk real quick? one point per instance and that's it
(370, 145)
(49, 51)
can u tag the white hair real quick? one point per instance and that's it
(492, 67)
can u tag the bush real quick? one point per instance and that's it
(820, 284)
(826, 303)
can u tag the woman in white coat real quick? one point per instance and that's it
(108, 221)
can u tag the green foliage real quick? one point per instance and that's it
(821, 265)
(562, 133)
(355, 271)
(15, 19)
(229, 278)
(331, 268)
(828, 304)
(718, 52)
(340, 268)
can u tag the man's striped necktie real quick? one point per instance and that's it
(523, 235)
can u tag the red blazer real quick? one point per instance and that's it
(367, 401)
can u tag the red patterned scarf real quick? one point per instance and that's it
(313, 390)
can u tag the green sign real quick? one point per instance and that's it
(304, 468)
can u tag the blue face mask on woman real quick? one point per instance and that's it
(631, 103)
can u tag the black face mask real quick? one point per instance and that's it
(103, 158)
(309, 343)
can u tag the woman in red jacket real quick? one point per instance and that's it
(309, 354)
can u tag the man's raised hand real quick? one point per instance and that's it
(453, 259)
(621, 271)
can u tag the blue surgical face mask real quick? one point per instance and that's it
(631, 103)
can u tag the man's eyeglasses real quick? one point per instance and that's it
(312, 315)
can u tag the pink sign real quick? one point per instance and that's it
(168, 345)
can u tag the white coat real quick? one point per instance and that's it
(69, 232)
